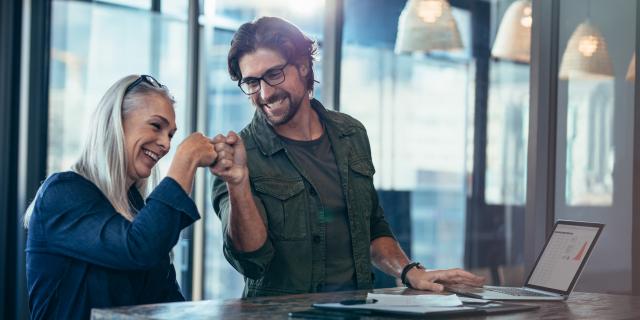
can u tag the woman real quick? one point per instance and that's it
(93, 240)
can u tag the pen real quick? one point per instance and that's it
(358, 301)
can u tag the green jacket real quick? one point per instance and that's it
(288, 263)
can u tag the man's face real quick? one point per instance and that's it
(278, 103)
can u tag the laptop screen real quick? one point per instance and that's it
(564, 255)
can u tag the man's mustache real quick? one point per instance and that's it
(274, 98)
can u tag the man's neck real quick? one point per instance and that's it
(304, 126)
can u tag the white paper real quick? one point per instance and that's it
(423, 300)
(473, 300)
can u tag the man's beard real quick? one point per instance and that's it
(291, 111)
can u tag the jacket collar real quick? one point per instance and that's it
(269, 142)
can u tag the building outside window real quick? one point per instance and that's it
(89, 52)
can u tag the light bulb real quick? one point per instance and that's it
(588, 45)
(430, 10)
(526, 19)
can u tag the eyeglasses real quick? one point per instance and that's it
(144, 78)
(272, 77)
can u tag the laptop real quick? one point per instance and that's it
(556, 270)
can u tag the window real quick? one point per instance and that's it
(594, 142)
(427, 116)
(415, 109)
(89, 52)
(141, 4)
(507, 133)
(227, 108)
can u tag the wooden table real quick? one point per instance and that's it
(578, 306)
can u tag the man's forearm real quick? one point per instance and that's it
(246, 228)
(387, 256)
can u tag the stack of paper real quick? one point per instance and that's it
(423, 300)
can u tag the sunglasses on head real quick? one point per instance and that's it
(146, 79)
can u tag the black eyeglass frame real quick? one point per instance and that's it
(280, 70)
(144, 78)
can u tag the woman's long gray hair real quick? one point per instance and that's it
(104, 159)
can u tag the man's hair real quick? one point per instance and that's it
(276, 34)
(103, 160)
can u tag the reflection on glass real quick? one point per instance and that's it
(227, 109)
(497, 243)
(507, 132)
(426, 26)
(415, 114)
(142, 4)
(178, 9)
(586, 55)
(89, 53)
(420, 116)
(308, 15)
(590, 153)
(594, 141)
(631, 70)
(513, 39)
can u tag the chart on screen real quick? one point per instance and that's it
(562, 258)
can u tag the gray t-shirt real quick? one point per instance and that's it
(317, 160)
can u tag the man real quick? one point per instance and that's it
(295, 191)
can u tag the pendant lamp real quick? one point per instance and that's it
(513, 40)
(586, 55)
(631, 71)
(427, 25)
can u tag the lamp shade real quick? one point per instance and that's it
(631, 71)
(513, 40)
(427, 25)
(586, 55)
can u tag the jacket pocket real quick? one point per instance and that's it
(284, 201)
(363, 166)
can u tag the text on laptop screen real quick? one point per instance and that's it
(562, 257)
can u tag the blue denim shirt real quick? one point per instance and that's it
(82, 254)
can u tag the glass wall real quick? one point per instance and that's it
(507, 139)
(448, 130)
(422, 113)
(507, 133)
(227, 108)
(395, 108)
(415, 109)
(94, 45)
(594, 156)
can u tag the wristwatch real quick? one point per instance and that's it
(405, 270)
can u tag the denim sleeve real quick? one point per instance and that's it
(250, 264)
(73, 218)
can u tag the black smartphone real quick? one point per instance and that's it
(323, 314)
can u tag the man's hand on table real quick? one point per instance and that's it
(433, 280)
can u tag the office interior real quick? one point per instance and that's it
(517, 114)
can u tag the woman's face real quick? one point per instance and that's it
(148, 130)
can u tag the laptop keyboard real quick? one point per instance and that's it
(518, 292)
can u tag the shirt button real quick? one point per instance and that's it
(317, 239)
(312, 191)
